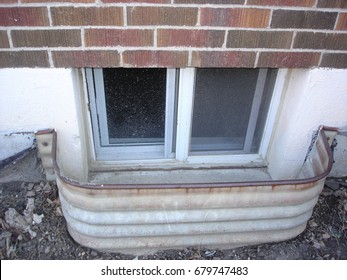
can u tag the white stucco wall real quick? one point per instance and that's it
(312, 98)
(34, 99)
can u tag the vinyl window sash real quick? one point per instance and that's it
(177, 143)
(185, 119)
(110, 151)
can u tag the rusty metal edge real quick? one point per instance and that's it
(195, 185)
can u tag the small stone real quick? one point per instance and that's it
(56, 201)
(30, 186)
(59, 212)
(47, 250)
(326, 236)
(30, 194)
(38, 188)
(327, 192)
(209, 253)
(37, 219)
(332, 184)
(316, 245)
(338, 193)
(312, 223)
(49, 201)
(93, 254)
(32, 233)
(47, 188)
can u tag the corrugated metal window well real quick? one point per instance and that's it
(137, 217)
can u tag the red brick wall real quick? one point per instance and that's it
(173, 33)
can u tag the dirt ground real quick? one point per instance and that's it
(32, 226)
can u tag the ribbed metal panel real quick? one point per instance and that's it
(147, 218)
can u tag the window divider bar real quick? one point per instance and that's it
(185, 112)
(92, 104)
(101, 107)
(258, 94)
(170, 111)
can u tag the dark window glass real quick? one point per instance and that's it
(135, 105)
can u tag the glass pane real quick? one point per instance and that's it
(222, 108)
(135, 105)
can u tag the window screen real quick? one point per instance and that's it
(227, 103)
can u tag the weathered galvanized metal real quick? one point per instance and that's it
(44, 140)
(143, 218)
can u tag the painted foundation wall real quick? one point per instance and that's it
(33, 99)
(311, 98)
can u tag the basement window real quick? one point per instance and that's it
(185, 115)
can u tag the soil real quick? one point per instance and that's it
(41, 233)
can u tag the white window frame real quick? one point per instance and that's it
(258, 94)
(155, 155)
(107, 151)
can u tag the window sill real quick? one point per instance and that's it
(180, 176)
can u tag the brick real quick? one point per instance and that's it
(303, 19)
(24, 59)
(173, 59)
(259, 39)
(320, 40)
(8, 1)
(57, 1)
(256, 18)
(137, 1)
(162, 16)
(288, 59)
(332, 4)
(4, 40)
(119, 37)
(82, 16)
(334, 60)
(284, 3)
(24, 16)
(223, 59)
(342, 22)
(46, 38)
(229, 2)
(86, 58)
(190, 38)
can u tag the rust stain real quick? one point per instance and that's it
(275, 184)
